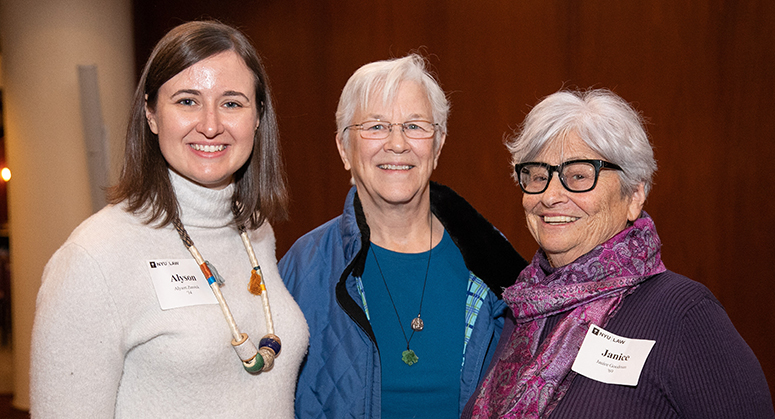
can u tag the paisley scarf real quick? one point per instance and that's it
(528, 381)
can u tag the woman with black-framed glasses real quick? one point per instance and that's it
(600, 327)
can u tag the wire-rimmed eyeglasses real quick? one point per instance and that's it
(575, 175)
(379, 130)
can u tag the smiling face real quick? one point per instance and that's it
(568, 225)
(396, 170)
(206, 117)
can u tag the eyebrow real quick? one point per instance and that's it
(412, 117)
(236, 93)
(197, 93)
(185, 92)
(574, 158)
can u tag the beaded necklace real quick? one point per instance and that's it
(269, 347)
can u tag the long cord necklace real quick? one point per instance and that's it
(269, 346)
(417, 324)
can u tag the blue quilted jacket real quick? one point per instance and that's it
(340, 377)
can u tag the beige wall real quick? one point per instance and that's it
(43, 42)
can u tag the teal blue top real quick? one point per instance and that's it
(429, 388)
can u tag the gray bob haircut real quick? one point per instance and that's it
(603, 120)
(385, 77)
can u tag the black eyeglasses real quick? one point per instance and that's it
(575, 175)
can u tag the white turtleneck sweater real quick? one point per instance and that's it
(102, 347)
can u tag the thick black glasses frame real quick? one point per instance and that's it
(597, 164)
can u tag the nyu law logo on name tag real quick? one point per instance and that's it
(179, 283)
(610, 358)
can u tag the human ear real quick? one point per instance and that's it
(637, 200)
(437, 151)
(150, 116)
(342, 153)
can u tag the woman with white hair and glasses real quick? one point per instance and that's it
(401, 291)
(601, 329)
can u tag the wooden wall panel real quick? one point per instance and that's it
(700, 72)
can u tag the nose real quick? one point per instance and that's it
(210, 124)
(396, 141)
(555, 192)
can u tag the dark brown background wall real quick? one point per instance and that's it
(700, 72)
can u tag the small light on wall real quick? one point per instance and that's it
(5, 174)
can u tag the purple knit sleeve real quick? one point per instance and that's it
(715, 374)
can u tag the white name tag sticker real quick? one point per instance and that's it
(179, 283)
(611, 359)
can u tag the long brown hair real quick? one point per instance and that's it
(260, 192)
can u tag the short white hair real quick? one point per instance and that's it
(385, 77)
(600, 118)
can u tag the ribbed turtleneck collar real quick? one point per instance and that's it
(201, 206)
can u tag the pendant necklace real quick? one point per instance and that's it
(417, 325)
(254, 361)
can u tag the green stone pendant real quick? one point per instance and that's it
(409, 357)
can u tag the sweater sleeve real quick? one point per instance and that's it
(77, 353)
(715, 374)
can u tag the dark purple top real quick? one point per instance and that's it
(700, 366)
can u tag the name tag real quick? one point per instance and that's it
(179, 283)
(611, 359)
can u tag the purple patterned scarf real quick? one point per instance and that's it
(528, 381)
